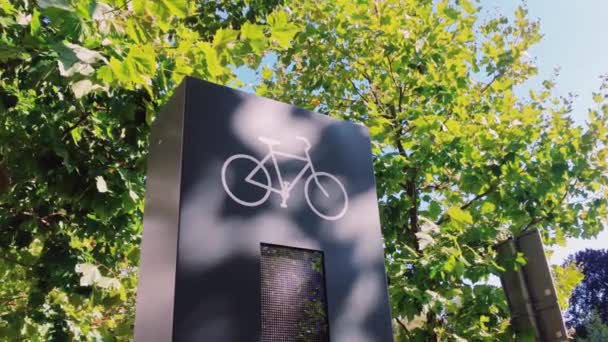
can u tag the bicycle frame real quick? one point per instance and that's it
(285, 187)
(283, 190)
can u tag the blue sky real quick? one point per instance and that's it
(574, 35)
(574, 39)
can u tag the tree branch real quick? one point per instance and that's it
(74, 126)
(391, 72)
(481, 195)
(537, 220)
(446, 217)
(364, 98)
(401, 323)
(410, 186)
(401, 91)
(119, 8)
(496, 76)
(39, 220)
(412, 192)
(371, 88)
(435, 186)
(532, 222)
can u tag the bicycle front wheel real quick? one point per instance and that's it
(326, 196)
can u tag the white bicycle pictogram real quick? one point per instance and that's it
(314, 182)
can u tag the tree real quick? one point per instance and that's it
(80, 81)
(594, 329)
(462, 160)
(589, 300)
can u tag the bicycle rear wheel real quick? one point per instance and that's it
(235, 171)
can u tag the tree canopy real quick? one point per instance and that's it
(461, 159)
(594, 329)
(80, 82)
(589, 300)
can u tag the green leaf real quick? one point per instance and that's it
(450, 264)
(35, 23)
(282, 32)
(143, 59)
(163, 11)
(178, 8)
(104, 74)
(520, 259)
(453, 127)
(598, 98)
(137, 68)
(150, 113)
(223, 38)
(468, 6)
(255, 36)
(434, 210)
(76, 134)
(460, 216)
(213, 64)
(266, 73)
(136, 31)
(8, 7)
(487, 207)
(140, 7)
(566, 278)
(183, 68)
(7, 21)
(123, 71)
(10, 52)
(86, 8)
(520, 13)
(482, 322)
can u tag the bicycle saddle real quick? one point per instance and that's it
(269, 141)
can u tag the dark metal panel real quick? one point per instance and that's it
(540, 286)
(155, 294)
(514, 285)
(218, 272)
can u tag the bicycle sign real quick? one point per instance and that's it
(328, 185)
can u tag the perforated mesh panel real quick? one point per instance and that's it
(294, 306)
